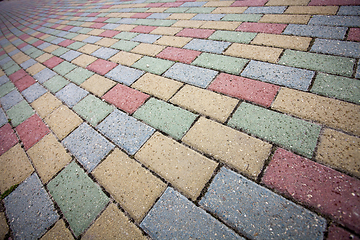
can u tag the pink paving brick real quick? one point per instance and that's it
(109, 33)
(39, 35)
(337, 233)
(143, 29)
(31, 131)
(2, 53)
(262, 27)
(66, 43)
(17, 75)
(55, 26)
(106, 6)
(179, 54)
(24, 36)
(22, 45)
(38, 43)
(243, 88)
(332, 193)
(101, 19)
(172, 4)
(248, 3)
(24, 83)
(92, 14)
(141, 15)
(67, 28)
(125, 98)
(101, 66)
(37, 27)
(53, 62)
(7, 138)
(195, 33)
(333, 2)
(11, 38)
(151, 5)
(98, 25)
(354, 34)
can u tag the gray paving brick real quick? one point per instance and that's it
(71, 94)
(197, 76)
(33, 92)
(281, 75)
(70, 55)
(57, 40)
(336, 47)
(11, 99)
(341, 21)
(104, 52)
(110, 26)
(257, 212)
(208, 17)
(123, 74)
(316, 31)
(357, 75)
(4, 79)
(146, 38)
(175, 217)
(207, 45)
(12, 53)
(30, 201)
(75, 29)
(44, 75)
(267, 10)
(125, 131)
(28, 63)
(349, 10)
(92, 39)
(127, 20)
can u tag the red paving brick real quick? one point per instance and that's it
(55, 26)
(7, 138)
(354, 34)
(101, 19)
(31, 131)
(143, 29)
(337, 233)
(17, 75)
(66, 43)
(248, 3)
(195, 33)
(151, 5)
(98, 25)
(125, 98)
(109, 33)
(262, 27)
(53, 62)
(101, 66)
(179, 54)
(333, 193)
(39, 35)
(24, 83)
(92, 14)
(141, 15)
(243, 88)
(38, 43)
(333, 2)
(2, 53)
(67, 28)
(22, 45)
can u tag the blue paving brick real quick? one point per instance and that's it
(44, 45)
(33, 92)
(146, 38)
(75, 29)
(281, 75)
(44, 75)
(12, 53)
(110, 26)
(125, 131)
(28, 63)
(197, 76)
(267, 10)
(316, 31)
(70, 55)
(123, 74)
(57, 40)
(4, 79)
(207, 45)
(30, 209)
(92, 39)
(175, 217)
(208, 17)
(11, 99)
(104, 52)
(159, 15)
(193, 4)
(71, 94)
(342, 21)
(3, 118)
(257, 212)
(127, 20)
(88, 146)
(336, 47)
(349, 10)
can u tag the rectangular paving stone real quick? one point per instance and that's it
(10, 99)
(281, 75)
(89, 48)
(315, 185)
(349, 10)
(208, 17)
(44, 75)
(78, 197)
(179, 54)
(33, 92)
(268, 54)
(336, 47)
(240, 151)
(240, 37)
(147, 49)
(336, 232)
(45, 104)
(70, 55)
(330, 64)
(126, 35)
(153, 65)
(261, 27)
(71, 94)
(207, 45)
(123, 74)
(340, 21)
(19, 113)
(274, 40)
(173, 41)
(174, 216)
(64, 67)
(194, 33)
(316, 31)
(200, 10)
(124, 45)
(79, 75)
(3, 118)
(221, 25)
(104, 53)
(312, 10)
(59, 230)
(6, 87)
(84, 60)
(292, 133)
(125, 58)
(97, 85)
(242, 17)
(76, 45)
(267, 9)
(287, 2)
(285, 18)
(56, 83)
(254, 210)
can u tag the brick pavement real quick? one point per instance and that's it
(169, 119)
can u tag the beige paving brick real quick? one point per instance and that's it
(340, 151)
(4, 228)
(156, 10)
(45, 104)
(134, 187)
(229, 10)
(285, 18)
(312, 10)
(221, 25)
(80, 37)
(97, 85)
(274, 40)
(15, 167)
(96, 32)
(239, 150)
(51, 48)
(206, 102)
(126, 15)
(20, 57)
(62, 121)
(44, 57)
(45, 36)
(34, 69)
(1, 73)
(267, 54)
(173, 41)
(58, 231)
(185, 169)
(29, 39)
(35, 33)
(188, 23)
(74, 18)
(106, 42)
(166, 30)
(181, 16)
(218, 4)
(125, 58)
(60, 27)
(9, 48)
(86, 24)
(125, 27)
(161, 87)
(330, 112)
(287, 3)
(83, 60)
(113, 224)
(148, 49)
(88, 48)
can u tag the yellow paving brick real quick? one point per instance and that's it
(34, 69)
(15, 167)
(148, 49)
(97, 85)
(330, 112)
(45, 36)
(125, 27)
(173, 41)
(96, 32)
(223, 25)
(188, 23)
(241, 151)
(80, 37)
(60, 27)
(45, 104)
(1, 73)
(106, 42)
(35, 33)
(50, 162)
(134, 187)
(181, 16)
(29, 39)
(274, 40)
(44, 57)
(285, 18)
(113, 15)
(287, 3)
(156, 10)
(125, 58)
(161, 87)
(113, 224)
(86, 24)
(229, 10)
(20, 57)
(340, 151)
(218, 4)
(51, 48)
(58, 231)
(267, 54)
(10, 48)
(166, 30)
(312, 10)
(88, 48)
(84, 60)
(185, 169)
(205, 102)
(126, 15)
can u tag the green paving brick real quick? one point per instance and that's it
(319, 62)
(200, 10)
(60, 51)
(172, 120)
(126, 35)
(64, 67)
(30, 50)
(112, 20)
(70, 35)
(79, 75)
(84, 30)
(36, 53)
(289, 132)
(176, 10)
(56, 83)
(219, 62)
(239, 37)
(19, 113)
(6, 88)
(124, 45)
(153, 65)
(79, 198)
(49, 39)
(12, 69)
(242, 17)
(8, 64)
(55, 32)
(343, 88)
(76, 45)
(92, 109)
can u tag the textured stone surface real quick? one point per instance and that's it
(58, 231)
(4, 228)
(336, 47)
(290, 42)
(97, 85)
(123, 74)
(71, 94)
(153, 65)
(207, 45)
(316, 31)
(268, 54)
(19, 113)
(45, 104)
